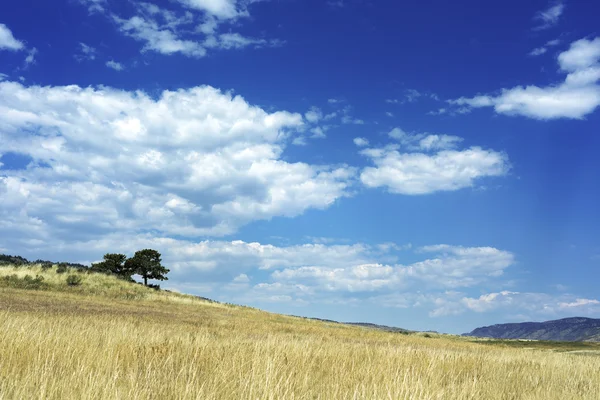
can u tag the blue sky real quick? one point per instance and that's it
(419, 164)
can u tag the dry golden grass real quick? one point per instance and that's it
(59, 344)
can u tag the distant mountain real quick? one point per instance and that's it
(576, 329)
(379, 327)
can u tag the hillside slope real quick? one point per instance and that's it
(113, 339)
(567, 329)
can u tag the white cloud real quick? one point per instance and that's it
(167, 38)
(424, 141)
(228, 41)
(550, 16)
(318, 132)
(30, 59)
(361, 142)
(509, 304)
(414, 173)
(313, 115)
(300, 141)
(224, 9)
(160, 39)
(576, 97)
(8, 41)
(443, 110)
(190, 162)
(412, 95)
(242, 278)
(117, 66)
(532, 303)
(85, 52)
(453, 267)
(579, 303)
(582, 55)
(347, 118)
(538, 51)
(94, 6)
(397, 133)
(439, 142)
(319, 272)
(178, 32)
(542, 50)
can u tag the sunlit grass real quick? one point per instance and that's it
(61, 344)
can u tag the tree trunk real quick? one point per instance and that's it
(145, 280)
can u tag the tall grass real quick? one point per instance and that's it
(62, 345)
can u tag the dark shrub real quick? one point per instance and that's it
(74, 280)
(27, 282)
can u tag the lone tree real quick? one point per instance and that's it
(114, 264)
(147, 264)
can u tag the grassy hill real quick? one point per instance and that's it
(107, 338)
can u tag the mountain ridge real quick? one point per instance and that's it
(572, 329)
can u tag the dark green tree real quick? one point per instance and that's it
(147, 264)
(114, 264)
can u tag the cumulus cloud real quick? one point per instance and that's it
(117, 66)
(576, 97)
(549, 17)
(158, 38)
(8, 41)
(191, 162)
(582, 54)
(314, 115)
(426, 163)
(223, 9)
(361, 142)
(166, 38)
(190, 32)
(424, 141)
(526, 302)
(452, 267)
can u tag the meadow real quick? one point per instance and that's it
(107, 338)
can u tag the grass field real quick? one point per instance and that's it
(111, 339)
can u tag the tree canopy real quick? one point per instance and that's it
(114, 264)
(147, 263)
